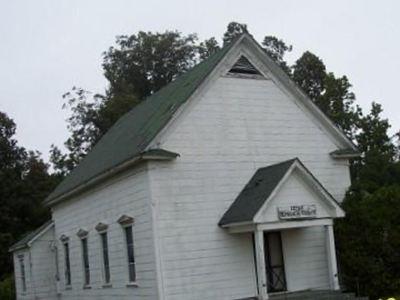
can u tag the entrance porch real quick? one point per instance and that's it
(290, 215)
(293, 259)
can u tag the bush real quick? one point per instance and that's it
(7, 288)
(368, 243)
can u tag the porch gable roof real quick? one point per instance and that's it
(29, 238)
(254, 194)
(261, 188)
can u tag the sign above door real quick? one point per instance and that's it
(296, 212)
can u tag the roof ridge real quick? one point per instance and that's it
(181, 76)
(27, 237)
(133, 131)
(286, 78)
(177, 80)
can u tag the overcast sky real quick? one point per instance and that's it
(49, 46)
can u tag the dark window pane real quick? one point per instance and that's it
(129, 235)
(86, 261)
(132, 272)
(130, 253)
(106, 263)
(67, 265)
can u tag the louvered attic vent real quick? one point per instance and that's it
(244, 66)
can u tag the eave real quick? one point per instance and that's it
(29, 238)
(345, 154)
(277, 72)
(151, 154)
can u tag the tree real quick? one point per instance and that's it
(143, 63)
(24, 183)
(368, 240)
(309, 73)
(276, 49)
(331, 94)
(138, 66)
(234, 30)
(375, 168)
(208, 47)
(395, 138)
(368, 258)
(337, 101)
(7, 288)
(91, 117)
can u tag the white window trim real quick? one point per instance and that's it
(85, 285)
(129, 283)
(126, 221)
(65, 240)
(103, 229)
(22, 265)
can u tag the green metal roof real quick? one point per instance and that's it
(128, 138)
(255, 193)
(23, 243)
(133, 132)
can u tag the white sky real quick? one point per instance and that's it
(49, 46)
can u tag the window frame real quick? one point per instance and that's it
(105, 257)
(102, 230)
(85, 262)
(22, 270)
(128, 222)
(67, 262)
(128, 248)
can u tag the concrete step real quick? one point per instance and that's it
(316, 295)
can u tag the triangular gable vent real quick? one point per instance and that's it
(244, 66)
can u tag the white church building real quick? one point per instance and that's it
(224, 185)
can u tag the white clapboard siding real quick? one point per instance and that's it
(125, 194)
(20, 294)
(305, 258)
(40, 269)
(43, 266)
(224, 136)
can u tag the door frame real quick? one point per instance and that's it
(269, 268)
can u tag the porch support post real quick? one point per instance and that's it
(260, 261)
(331, 253)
